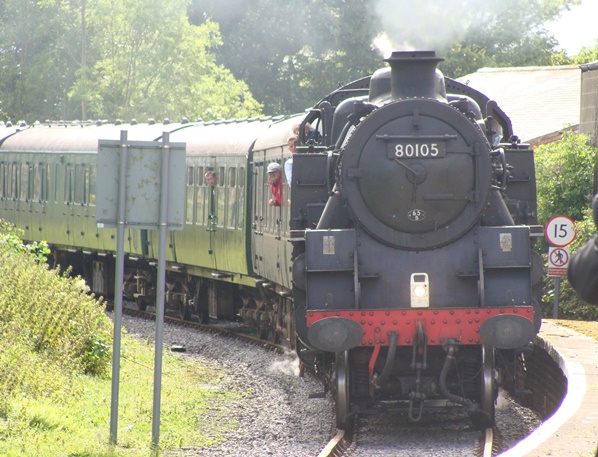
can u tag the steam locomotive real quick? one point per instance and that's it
(399, 261)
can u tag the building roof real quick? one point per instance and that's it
(539, 100)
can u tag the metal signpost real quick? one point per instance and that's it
(140, 187)
(560, 231)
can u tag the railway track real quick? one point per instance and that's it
(342, 443)
(488, 447)
(213, 329)
(338, 444)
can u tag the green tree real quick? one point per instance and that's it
(338, 49)
(496, 37)
(585, 55)
(565, 179)
(152, 62)
(292, 52)
(107, 59)
(35, 67)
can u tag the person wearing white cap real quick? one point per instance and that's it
(275, 180)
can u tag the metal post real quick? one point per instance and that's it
(557, 292)
(163, 230)
(118, 285)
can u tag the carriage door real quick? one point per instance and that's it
(259, 211)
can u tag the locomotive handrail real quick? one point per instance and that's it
(503, 160)
(387, 137)
(329, 165)
(356, 284)
(481, 284)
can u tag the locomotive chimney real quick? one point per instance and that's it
(414, 74)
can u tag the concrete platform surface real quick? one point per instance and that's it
(572, 431)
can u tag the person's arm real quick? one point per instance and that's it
(288, 170)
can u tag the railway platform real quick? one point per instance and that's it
(572, 431)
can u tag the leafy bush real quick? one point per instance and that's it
(571, 306)
(565, 177)
(50, 326)
(10, 237)
(565, 180)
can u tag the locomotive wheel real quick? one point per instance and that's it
(203, 316)
(488, 386)
(274, 336)
(185, 312)
(343, 396)
(263, 332)
(140, 303)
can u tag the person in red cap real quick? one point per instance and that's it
(275, 180)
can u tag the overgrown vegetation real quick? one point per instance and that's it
(565, 179)
(55, 353)
(48, 316)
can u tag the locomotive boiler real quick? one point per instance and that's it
(419, 273)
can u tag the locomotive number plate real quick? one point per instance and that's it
(416, 150)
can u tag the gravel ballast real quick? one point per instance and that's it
(274, 413)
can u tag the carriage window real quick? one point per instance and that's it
(232, 177)
(24, 192)
(2, 181)
(220, 198)
(44, 170)
(231, 221)
(68, 187)
(241, 177)
(85, 185)
(79, 185)
(55, 171)
(37, 182)
(91, 179)
(200, 196)
(240, 196)
(190, 194)
(211, 198)
(11, 181)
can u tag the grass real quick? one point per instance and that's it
(588, 328)
(78, 424)
(55, 366)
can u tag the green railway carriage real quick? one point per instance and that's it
(48, 183)
(215, 245)
(270, 226)
(215, 237)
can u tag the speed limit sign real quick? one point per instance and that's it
(560, 231)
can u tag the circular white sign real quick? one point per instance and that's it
(560, 231)
(558, 257)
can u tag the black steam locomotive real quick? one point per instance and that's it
(420, 269)
(398, 259)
